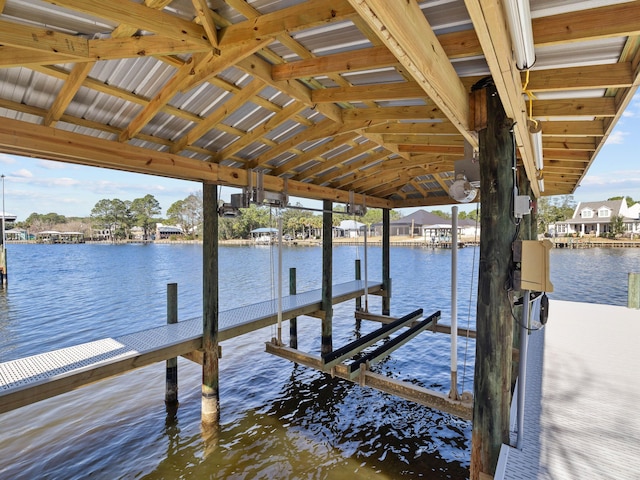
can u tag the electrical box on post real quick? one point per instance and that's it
(533, 258)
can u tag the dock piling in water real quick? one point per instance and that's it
(293, 323)
(171, 389)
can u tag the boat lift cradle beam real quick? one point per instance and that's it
(409, 391)
(348, 351)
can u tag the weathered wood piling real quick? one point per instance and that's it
(171, 389)
(210, 308)
(492, 386)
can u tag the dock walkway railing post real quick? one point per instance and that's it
(634, 290)
(171, 391)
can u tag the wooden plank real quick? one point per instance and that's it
(406, 390)
(371, 58)
(615, 75)
(374, 93)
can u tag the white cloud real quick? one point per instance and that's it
(64, 182)
(617, 138)
(50, 165)
(6, 159)
(628, 113)
(22, 173)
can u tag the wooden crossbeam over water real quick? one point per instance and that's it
(28, 380)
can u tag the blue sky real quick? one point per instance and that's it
(33, 185)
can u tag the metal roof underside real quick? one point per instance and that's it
(369, 96)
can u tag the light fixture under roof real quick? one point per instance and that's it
(461, 190)
(519, 19)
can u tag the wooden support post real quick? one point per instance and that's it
(492, 392)
(171, 389)
(293, 323)
(634, 291)
(358, 299)
(3, 265)
(327, 277)
(210, 388)
(386, 272)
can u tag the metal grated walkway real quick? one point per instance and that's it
(581, 416)
(30, 379)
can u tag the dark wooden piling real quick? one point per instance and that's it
(171, 389)
(386, 255)
(327, 274)
(293, 323)
(492, 385)
(358, 299)
(3, 264)
(210, 388)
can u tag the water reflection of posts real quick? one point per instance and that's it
(171, 390)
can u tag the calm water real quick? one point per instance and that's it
(278, 420)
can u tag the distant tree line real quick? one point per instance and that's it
(118, 217)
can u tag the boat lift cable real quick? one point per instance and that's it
(473, 267)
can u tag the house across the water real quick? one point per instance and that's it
(596, 219)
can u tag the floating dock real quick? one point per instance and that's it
(582, 390)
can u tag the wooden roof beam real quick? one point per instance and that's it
(356, 151)
(315, 153)
(399, 24)
(579, 107)
(145, 18)
(615, 75)
(218, 115)
(298, 17)
(31, 140)
(364, 59)
(257, 67)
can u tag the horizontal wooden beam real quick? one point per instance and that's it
(31, 140)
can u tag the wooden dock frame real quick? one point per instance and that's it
(358, 371)
(409, 391)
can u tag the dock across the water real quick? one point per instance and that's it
(31, 379)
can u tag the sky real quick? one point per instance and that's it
(41, 186)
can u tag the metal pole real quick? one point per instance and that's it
(453, 393)
(280, 280)
(366, 275)
(522, 367)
